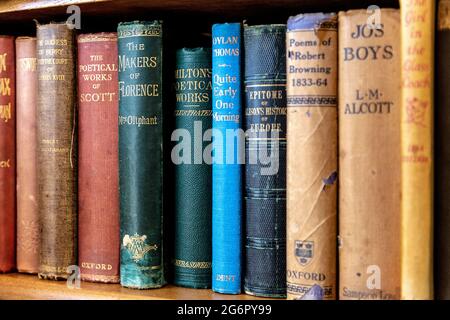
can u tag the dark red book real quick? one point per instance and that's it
(98, 202)
(7, 155)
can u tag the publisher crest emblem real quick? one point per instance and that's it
(304, 251)
(136, 246)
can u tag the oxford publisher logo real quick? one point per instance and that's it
(304, 251)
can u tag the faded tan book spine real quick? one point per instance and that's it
(417, 28)
(311, 56)
(369, 155)
(27, 208)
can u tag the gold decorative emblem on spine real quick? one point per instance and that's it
(137, 247)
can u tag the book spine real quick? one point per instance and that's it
(56, 150)
(442, 252)
(228, 153)
(265, 183)
(140, 154)
(312, 41)
(7, 155)
(417, 34)
(27, 209)
(98, 163)
(369, 155)
(192, 265)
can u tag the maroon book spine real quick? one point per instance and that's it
(27, 209)
(98, 198)
(7, 155)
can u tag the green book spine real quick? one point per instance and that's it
(140, 154)
(192, 264)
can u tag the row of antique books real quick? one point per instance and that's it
(223, 171)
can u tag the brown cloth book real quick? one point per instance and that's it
(7, 156)
(98, 164)
(56, 150)
(27, 209)
(369, 155)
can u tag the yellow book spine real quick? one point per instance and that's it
(417, 24)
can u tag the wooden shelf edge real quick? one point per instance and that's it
(8, 6)
(15, 286)
(37, 8)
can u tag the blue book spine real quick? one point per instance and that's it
(228, 153)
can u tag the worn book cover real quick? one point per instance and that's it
(369, 155)
(98, 161)
(417, 34)
(312, 71)
(7, 155)
(265, 181)
(227, 158)
(56, 150)
(141, 154)
(27, 208)
(442, 174)
(193, 175)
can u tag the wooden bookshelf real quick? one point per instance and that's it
(18, 11)
(21, 286)
(16, 17)
(22, 8)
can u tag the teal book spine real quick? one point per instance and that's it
(140, 154)
(228, 153)
(192, 263)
